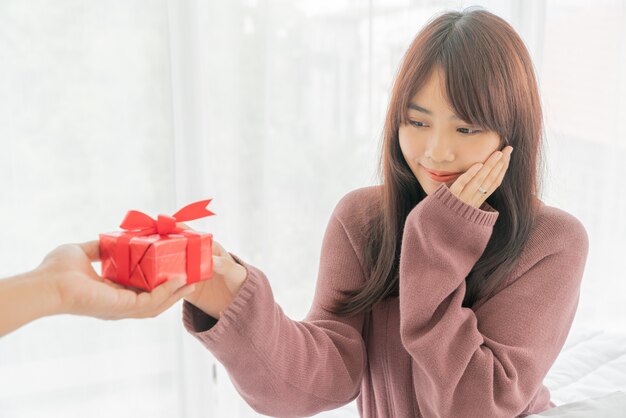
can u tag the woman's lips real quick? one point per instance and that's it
(439, 178)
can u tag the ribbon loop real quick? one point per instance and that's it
(165, 224)
(136, 220)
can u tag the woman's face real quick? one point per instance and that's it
(435, 138)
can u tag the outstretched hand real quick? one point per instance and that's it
(79, 290)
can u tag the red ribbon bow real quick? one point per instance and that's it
(165, 224)
(139, 224)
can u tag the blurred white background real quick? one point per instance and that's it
(275, 109)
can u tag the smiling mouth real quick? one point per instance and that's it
(441, 178)
(441, 173)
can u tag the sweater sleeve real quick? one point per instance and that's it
(282, 367)
(489, 362)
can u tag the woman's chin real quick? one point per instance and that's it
(430, 186)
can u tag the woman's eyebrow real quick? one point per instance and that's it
(419, 108)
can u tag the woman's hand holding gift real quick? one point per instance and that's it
(214, 295)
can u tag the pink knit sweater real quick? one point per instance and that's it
(419, 355)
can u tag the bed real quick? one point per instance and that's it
(588, 379)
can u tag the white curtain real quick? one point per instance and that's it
(86, 134)
(275, 109)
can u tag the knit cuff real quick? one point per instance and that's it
(486, 215)
(200, 324)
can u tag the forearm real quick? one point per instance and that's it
(279, 366)
(489, 361)
(24, 298)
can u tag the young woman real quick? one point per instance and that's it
(66, 283)
(446, 291)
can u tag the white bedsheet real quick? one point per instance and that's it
(592, 364)
(607, 406)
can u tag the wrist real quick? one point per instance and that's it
(33, 296)
(42, 287)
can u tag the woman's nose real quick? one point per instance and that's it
(439, 148)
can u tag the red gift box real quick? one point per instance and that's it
(150, 248)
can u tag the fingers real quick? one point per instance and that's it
(150, 304)
(218, 249)
(178, 295)
(158, 295)
(91, 249)
(124, 302)
(113, 284)
(224, 264)
(507, 154)
(494, 179)
(461, 183)
(233, 272)
(486, 170)
(488, 175)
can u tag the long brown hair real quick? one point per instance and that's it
(489, 82)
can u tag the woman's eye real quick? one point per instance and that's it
(465, 131)
(468, 131)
